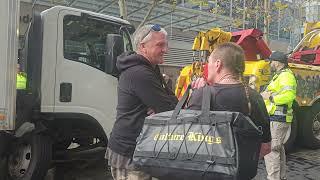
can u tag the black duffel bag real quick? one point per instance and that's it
(190, 144)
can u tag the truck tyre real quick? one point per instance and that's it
(310, 127)
(30, 158)
(291, 136)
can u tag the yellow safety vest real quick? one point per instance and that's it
(21, 81)
(283, 92)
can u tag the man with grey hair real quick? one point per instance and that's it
(141, 91)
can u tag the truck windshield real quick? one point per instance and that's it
(84, 39)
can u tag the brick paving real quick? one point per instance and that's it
(302, 165)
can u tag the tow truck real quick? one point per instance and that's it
(69, 60)
(304, 61)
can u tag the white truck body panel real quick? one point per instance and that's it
(9, 18)
(90, 86)
(49, 55)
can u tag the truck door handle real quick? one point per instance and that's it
(65, 92)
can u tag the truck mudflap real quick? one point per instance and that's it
(5, 139)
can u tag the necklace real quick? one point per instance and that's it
(228, 79)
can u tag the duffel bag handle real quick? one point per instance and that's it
(205, 107)
(206, 98)
(206, 101)
(181, 103)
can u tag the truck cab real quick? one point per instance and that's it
(70, 98)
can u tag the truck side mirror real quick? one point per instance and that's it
(131, 29)
(114, 47)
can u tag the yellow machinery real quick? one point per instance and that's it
(312, 40)
(204, 43)
(250, 40)
(304, 62)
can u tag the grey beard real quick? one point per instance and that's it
(273, 69)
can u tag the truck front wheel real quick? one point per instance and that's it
(30, 157)
(310, 127)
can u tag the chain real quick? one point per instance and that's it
(229, 78)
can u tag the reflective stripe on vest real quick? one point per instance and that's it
(280, 110)
(285, 88)
(21, 81)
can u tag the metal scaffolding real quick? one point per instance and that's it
(279, 19)
(165, 14)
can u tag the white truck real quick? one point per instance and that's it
(69, 58)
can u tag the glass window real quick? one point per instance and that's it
(85, 39)
(127, 41)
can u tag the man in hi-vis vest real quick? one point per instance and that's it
(21, 79)
(279, 96)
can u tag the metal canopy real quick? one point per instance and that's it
(165, 14)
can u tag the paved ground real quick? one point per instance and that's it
(302, 164)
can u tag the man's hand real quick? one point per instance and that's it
(150, 112)
(266, 94)
(265, 149)
(198, 83)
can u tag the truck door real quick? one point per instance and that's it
(82, 84)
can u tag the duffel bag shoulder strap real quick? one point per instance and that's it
(181, 103)
(206, 101)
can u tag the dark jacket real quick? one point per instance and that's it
(232, 97)
(141, 86)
